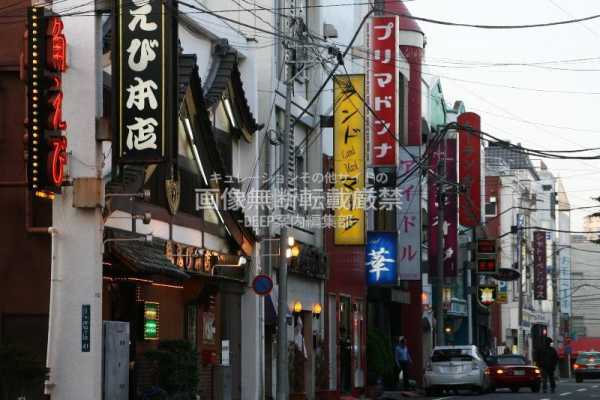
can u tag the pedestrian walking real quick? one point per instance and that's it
(547, 360)
(403, 360)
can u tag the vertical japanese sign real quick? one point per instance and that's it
(539, 265)
(86, 321)
(45, 61)
(349, 158)
(381, 256)
(446, 154)
(409, 218)
(384, 90)
(469, 145)
(142, 72)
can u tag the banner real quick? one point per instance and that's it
(409, 218)
(384, 91)
(381, 256)
(446, 150)
(143, 61)
(349, 158)
(469, 169)
(539, 265)
(502, 292)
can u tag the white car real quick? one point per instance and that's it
(454, 368)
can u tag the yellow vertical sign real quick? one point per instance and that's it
(349, 158)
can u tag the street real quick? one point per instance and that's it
(565, 389)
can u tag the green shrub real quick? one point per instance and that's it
(177, 364)
(380, 356)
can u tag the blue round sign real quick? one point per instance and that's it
(262, 285)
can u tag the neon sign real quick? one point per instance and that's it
(45, 60)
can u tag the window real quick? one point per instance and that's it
(446, 355)
(490, 207)
(511, 360)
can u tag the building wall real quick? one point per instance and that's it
(585, 290)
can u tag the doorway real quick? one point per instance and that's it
(345, 344)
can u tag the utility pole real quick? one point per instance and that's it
(439, 278)
(282, 309)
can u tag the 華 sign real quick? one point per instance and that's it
(142, 61)
(409, 218)
(45, 61)
(349, 158)
(384, 90)
(539, 266)
(381, 258)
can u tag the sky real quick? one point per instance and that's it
(542, 119)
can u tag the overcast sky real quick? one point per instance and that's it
(504, 110)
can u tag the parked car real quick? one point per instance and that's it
(454, 368)
(587, 366)
(514, 371)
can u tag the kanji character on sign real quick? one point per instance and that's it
(141, 135)
(139, 93)
(377, 262)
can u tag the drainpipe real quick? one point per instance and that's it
(54, 278)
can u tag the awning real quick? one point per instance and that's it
(139, 257)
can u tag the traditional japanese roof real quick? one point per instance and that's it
(224, 79)
(142, 258)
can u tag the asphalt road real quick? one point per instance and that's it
(565, 390)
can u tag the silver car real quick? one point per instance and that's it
(454, 368)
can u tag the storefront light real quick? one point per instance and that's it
(291, 241)
(317, 310)
(295, 251)
(297, 307)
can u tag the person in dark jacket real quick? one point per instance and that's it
(547, 360)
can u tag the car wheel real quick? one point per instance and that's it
(479, 390)
(514, 389)
(578, 379)
(535, 388)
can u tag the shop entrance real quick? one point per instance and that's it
(345, 344)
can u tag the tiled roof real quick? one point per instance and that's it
(141, 257)
(224, 71)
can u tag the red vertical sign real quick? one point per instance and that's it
(445, 150)
(469, 168)
(539, 265)
(384, 90)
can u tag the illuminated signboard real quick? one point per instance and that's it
(469, 169)
(151, 320)
(381, 258)
(384, 90)
(349, 157)
(487, 294)
(539, 265)
(143, 78)
(45, 61)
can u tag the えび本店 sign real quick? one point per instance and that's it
(142, 78)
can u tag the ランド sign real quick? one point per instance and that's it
(349, 158)
(141, 77)
(384, 90)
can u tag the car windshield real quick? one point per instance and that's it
(511, 360)
(589, 358)
(451, 355)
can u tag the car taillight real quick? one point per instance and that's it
(579, 366)
(499, 371)
(474, 366)
(537, 371)
(487, 371)
(429, 367)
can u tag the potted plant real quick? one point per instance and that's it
(176, 364)
(380, 362)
